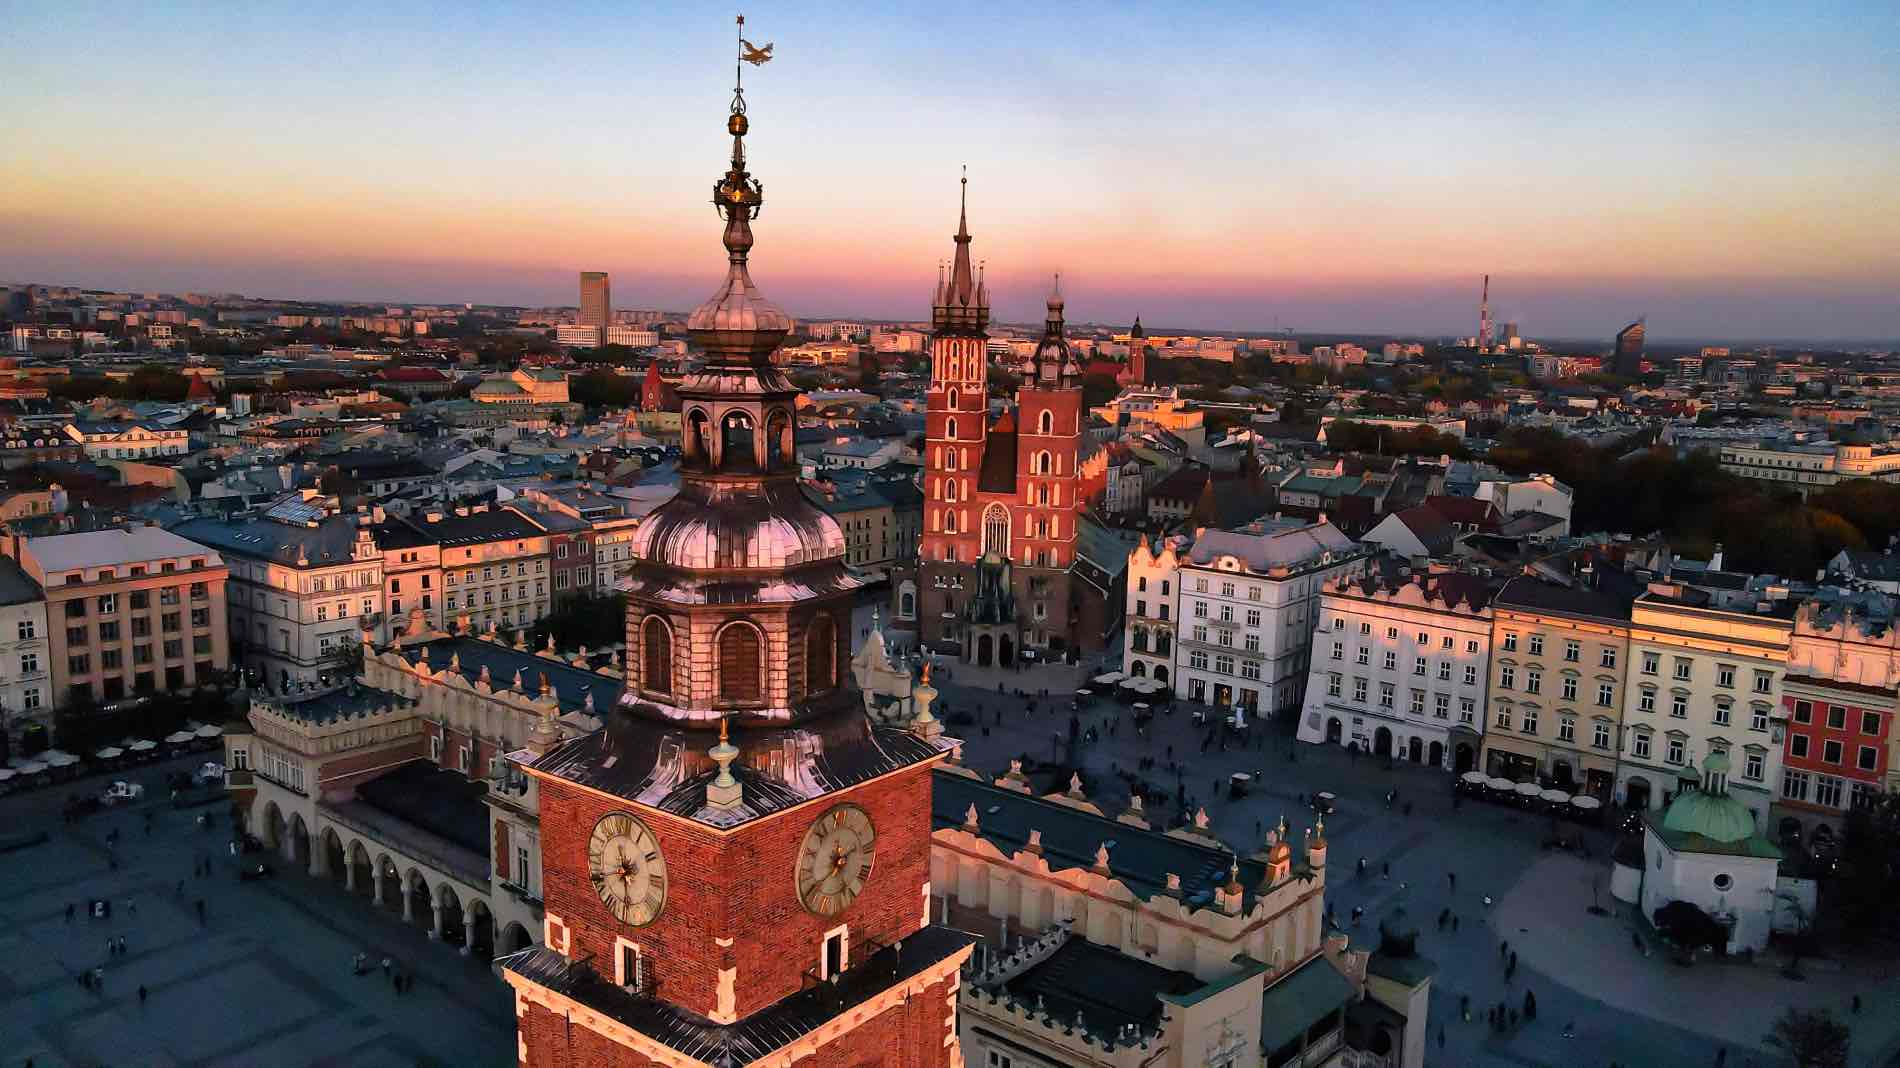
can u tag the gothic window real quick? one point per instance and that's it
(735, 447)
(1141, 639)
(949, 428)
(996, 530)
(821, 662)
(657, 639)
(953, 396)
(1046, 423)
(1042, 464)
(740, 661)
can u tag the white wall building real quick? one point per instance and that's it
(26, 686)
(1401, 666)
(128, 440)
(1246, 602)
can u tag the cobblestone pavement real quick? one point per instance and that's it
(265, 980)
(1626, 1007)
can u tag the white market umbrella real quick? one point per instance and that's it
(1499, 782)
(1557, 797)
(179, 737)
(7, 773)
(57, 759)
(109, 752)
(1141, 706)
(143, 745)
(1133, 684)
(29, 767)
(209, 730)
(1475, 778)
(1586, 802)
(1529, 789)
(1108, 679)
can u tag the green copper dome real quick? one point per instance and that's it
(1710, 811)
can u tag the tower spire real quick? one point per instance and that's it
(963, 305)
(737, 325)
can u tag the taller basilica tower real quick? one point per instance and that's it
(736, 867)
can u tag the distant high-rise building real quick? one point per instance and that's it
(1487, 330)
(1629, 350)
(597, 305)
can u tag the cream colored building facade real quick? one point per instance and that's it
(1558, 661)
(1703, 680)
(1239, 966)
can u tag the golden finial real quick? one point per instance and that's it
(926, 673)
(723, 719)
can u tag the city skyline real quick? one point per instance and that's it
(1752, 198)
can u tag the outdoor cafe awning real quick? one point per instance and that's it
(1475, 778)
(1556, 797)
(1529, 789)
(109, 752)
(1499, 782)
(1108, 679)
(209, 730)
(1586, 802)
(180, 737)
(143, 745)
(58, 759)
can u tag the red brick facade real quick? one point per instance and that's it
(1832, 739)
(738, 886)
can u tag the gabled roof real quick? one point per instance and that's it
(1430, 528)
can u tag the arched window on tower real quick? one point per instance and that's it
(741, 662)
(778, 438)
(821, 655)
(735, 445)
(950, 428)
(996, 530)
(1041, 463)
(1046, 424)
(698, 435)
(954, 396)
(949, 489)
(656, 639)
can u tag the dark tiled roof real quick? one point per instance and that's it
(444, 803)
(329, 543)
(1141, 859)
(756, 1036)
(496, 524)
(1109, 988)
(663, 763)
(1431, 529)
(572, 685)
(1528, 591)
(16, 586)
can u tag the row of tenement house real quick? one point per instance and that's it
(1592, 670)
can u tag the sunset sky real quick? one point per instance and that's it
(1726, 170)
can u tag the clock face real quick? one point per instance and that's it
(836, 860)
(624, 862)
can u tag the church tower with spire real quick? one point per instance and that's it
(1135, 371)
(736, 866)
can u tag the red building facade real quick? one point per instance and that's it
(1004, 495)
(1839, 695)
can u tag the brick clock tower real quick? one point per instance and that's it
(736, 866)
